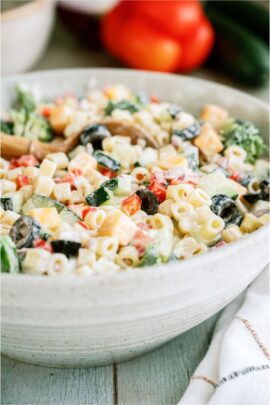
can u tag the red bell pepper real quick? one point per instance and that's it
(21, 181)
(162, 35)
(42, 244)
(23, 161)
(131, 204)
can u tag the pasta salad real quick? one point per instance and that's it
(117, 202)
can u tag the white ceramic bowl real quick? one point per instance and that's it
(73, 321)
(25, 32)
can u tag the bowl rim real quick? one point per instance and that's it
(161, 271)
(23, 9)
(154, 271)
(131, 72)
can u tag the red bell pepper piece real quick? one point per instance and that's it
(131, 204)
(157, 187)
(42, 244)
(86, 210)
(22, 180)
(107, 172)
(23, 161)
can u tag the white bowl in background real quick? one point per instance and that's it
(25, 32)
(85, 321)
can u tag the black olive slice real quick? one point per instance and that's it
(149, 201)
(94, 134)
(67, 247)
(24, 231)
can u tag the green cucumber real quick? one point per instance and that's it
(41, 201)
(253, 15)
(99, 196)
(216, 183)
(243, 55)
(17, 200)
(106, 161)
(68, 216)
(6, 203)
(9, 257)
(111, 184)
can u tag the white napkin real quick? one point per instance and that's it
(236, 368)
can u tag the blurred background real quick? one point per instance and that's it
(225, 41)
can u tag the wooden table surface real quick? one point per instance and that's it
(159, 377)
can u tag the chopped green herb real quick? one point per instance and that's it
(150, 257)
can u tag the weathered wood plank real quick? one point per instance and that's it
(25, 384)
(161, 377)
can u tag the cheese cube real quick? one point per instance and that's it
(215, 115)
(118, 225)
(46, 216)
(173, 161)
(47, 168)
(62, 191)
(59, 158)
(208, 141)
(82, 161)
(43, 185)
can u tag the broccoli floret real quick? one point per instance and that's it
(31, 125)
(25, 98)
(26, 121)
(246, 135)
(7, 127)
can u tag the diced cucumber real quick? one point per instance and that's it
(216, 183)
(111, 184)
(9, 257)
(6, 203)
(69, 216)
(99, 196)
(106, 161)
(17, 200)
(41, 201)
